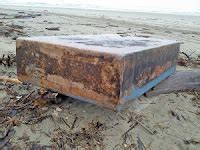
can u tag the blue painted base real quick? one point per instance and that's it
(137, 92)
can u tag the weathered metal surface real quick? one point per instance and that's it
(104, 69)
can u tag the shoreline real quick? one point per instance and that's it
(180, 13)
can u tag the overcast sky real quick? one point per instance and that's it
(171, 5)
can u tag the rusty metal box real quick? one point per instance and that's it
(107, 70)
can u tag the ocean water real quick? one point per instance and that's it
(88, 4)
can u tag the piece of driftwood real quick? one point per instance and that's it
(181, 81)
(53, 28)
(9, 80)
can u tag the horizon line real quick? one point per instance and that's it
(100, 8)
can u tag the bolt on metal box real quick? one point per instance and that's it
(108, 70)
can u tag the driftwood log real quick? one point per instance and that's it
(181, 81)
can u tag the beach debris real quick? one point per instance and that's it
(15, 26)
(55, 115)
(12, 30)
(3, 14)
(146, 128)
(18, 97)
(177, 115)
(4, 32)
(126, 133)
(196, 99)
(88, 137)
(195, 62)
(86, 24)
(39, 103)
(8, 60)
(36, 146)
(188, 56)
(104, 74)
(123, 34)
(7, 135)
(64, 120)
(182, 62)
(36, 120)
(181, 81)
(193, 141)
(6, 79)
(137, 119)
(20, 15)
(145, 36)
(27, 109)
(132, 119)
(21, 12)
(49, 22)
(128, 143)
(58, 109)
(183, 59)
(187, 60)
(112, 25)
(74, 122)
(24, 99)
(53, 97)
(13, 121)
(140, 143)
(36, 15)
(53, 28)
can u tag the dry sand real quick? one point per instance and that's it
(170, 121)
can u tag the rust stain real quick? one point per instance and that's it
(148, 76)
(67, 88)
(69, 72)
(141, 68)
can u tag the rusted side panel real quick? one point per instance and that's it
(90, 76)
(142, 67)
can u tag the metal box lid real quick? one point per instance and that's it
(104, 43)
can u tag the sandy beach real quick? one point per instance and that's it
(168, 121)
